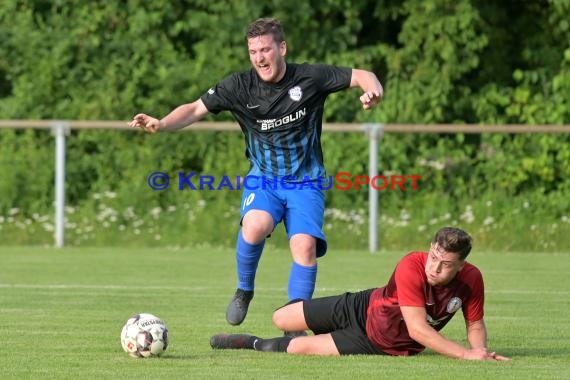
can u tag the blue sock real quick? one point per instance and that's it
(247, 257)
(302, 281)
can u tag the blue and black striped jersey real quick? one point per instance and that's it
(282, 121)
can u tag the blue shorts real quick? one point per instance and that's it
(301, 209)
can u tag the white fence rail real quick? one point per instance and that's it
(373, 131)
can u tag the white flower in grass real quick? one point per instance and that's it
(488, 220)
(106, 213)
(433, 221)
(48, 227)
(526, 204)
(201, 203)
(1, 219)
(110, 194)
(171, 208)
(96, 196)
(157, 237)
(137, 231)
(10, 219)
(404, 215)
(129, 213)
(563, 218)
(467, 215)
(13, 211)
(533, 227)
(155, 212)
(122, 227)
(69, 210)
(446, 216)
(422, 228)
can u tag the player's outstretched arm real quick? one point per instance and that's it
(423, 333)
(180, 117)
(370, 85)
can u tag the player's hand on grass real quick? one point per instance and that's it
(495, 356)
(483, 354)
(146, 123)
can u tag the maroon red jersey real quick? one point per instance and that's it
(408, 286)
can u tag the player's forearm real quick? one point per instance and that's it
(180, 117)
(433, 340)
(367, 81)
(477, 334)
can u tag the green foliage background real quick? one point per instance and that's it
(440, 61)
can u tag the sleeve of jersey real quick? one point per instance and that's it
(473, 308)
(331, 78)
(409, 282)
(221, 97)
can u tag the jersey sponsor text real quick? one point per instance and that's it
(268, 124)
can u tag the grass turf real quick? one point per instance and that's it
(62, 312)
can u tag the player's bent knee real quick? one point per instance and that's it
(256, 227)
(280, 319)
(254, 233)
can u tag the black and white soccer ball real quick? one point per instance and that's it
(144, 335)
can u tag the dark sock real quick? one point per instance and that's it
(272, 345)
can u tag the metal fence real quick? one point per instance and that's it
(373, 131)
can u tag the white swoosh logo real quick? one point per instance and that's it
(252, 107)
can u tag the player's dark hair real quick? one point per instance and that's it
(455, 240)
(264, 26)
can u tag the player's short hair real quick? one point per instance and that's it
(455, 240)
(264, 26)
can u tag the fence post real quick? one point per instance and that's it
(60, 130)
(374, 132)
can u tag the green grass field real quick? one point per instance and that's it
(62, 311)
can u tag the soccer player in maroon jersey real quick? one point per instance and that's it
(402, 318)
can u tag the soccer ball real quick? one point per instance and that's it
(144, 335)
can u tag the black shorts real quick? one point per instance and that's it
(344, 317)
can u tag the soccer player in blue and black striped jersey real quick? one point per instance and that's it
(279, 107)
